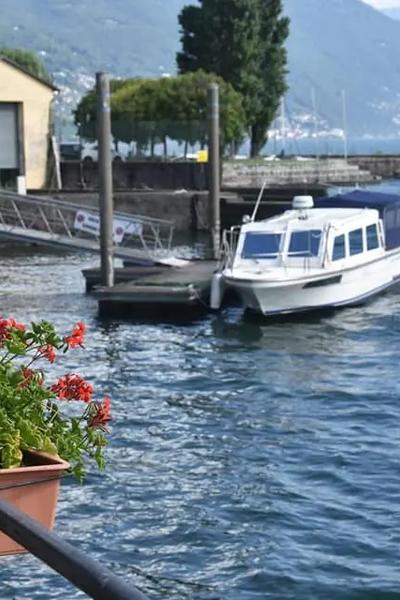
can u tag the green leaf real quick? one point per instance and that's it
(49, 447)
(30, 435)
(11, 456)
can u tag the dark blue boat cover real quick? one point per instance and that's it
(388, 206)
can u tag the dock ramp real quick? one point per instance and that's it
(53, 222)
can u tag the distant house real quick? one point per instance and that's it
(25, 126)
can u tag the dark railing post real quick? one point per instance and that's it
(93, 578)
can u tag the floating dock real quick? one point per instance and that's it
(172, 291)
(122, 274)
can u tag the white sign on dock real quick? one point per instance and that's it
(90, 223)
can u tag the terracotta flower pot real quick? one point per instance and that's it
(35, 492)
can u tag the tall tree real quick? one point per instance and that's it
(26, 60)
(242, 41)
(149, 111)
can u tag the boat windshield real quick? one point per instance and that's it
(305, 243)
(261, 245)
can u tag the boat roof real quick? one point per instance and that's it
(317, 218)
(359, 199)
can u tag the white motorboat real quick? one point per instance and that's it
(312, 258)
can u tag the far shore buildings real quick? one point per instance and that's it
(25, 127)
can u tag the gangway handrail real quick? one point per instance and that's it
(86, 574)
(58, 222)
(72, 205)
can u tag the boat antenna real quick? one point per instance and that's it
(253, 216)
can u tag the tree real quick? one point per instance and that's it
(273, 59)
(242, 41)
(85, 112)
(148, 111)
(26, 60)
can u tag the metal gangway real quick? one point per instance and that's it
(53, 222)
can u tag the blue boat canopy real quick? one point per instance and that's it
(388, 206)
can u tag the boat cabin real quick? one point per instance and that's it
(388, 206)
(314, 238)
(311, 258)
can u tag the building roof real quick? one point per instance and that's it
(10, 62)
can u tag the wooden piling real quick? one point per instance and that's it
(214, 160)
(105, 177)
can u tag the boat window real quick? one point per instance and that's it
(339, 248)
(356, 241)
(305, 243)
(261, 245)
(390, 218)
(372, 237)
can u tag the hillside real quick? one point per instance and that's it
(345, 44)
(76, 38)
(334, 45)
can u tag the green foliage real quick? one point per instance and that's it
(26, 60)
(148, 111)
(85, 112)
(242, 41)
(85, 116)
(31, 412)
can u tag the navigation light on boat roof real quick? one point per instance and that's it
(302, 202)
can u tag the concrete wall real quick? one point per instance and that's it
(130, 175)
(36, 99)
(194, 176)
(379, 166)
(190, 210)
(290, 171)
(187, 210)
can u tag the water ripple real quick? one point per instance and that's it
(246, 461)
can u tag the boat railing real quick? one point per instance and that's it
(230, 238)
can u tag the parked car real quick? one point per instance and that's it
(86, 153)
(90, 153)
(70, 151)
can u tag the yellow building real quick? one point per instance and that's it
(25, 126)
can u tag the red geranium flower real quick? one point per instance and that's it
(73, 387)
(28, 375)
(13, 323)
(6, 325)
(102, 415)
(48, 352)
(77, 335)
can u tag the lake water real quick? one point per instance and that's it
(247, 460)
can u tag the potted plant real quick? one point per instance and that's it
(46, 429)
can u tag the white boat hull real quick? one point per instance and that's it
(329, 289)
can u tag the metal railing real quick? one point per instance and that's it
(230, 238)
(83, 572)
(55, 221)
